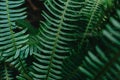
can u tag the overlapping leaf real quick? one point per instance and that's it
(104, 62)
(56, 33)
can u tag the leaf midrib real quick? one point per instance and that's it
(107, 66)
(56, 39)
(10, 25)
(87, 28)
(13, 39)
(6, 72)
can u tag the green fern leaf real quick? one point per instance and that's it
(12, 43)
(9, 40)
(92, 15)
(105, 66)
(5, 72)
(56, 33)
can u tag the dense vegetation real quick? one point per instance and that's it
(60, 40)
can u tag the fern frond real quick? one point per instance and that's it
(92, 15)
(56, 33)
(13, 44)
(104, 61)
(71, 66)
(9, 40)
(5, 72)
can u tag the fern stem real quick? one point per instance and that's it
(13, 39)
(88, 25)
(10, 25)
(106, 67)
(56, 39)
(32, 5)
(6, 71)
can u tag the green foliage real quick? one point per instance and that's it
(104, 63)
(77, 40)
(22, 24)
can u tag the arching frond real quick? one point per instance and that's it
(76, 40)
(10, 41)
(13, 42)
(104, 61)
(92, 15)
(56, 33)
(72, 65)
